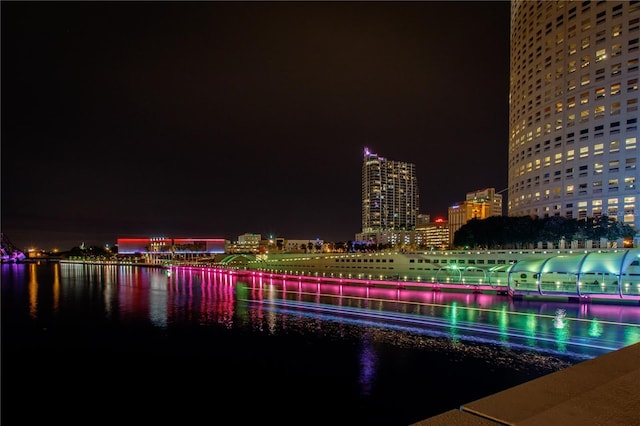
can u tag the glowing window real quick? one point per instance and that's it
(585, 43)
(584, 152)
(584, 115)
(584, 80)
(616, 31)
(630, 143)
(597, 168)
(630, 182)
(615, 89)
(584, 98)
(614, 146)
(616, 50)
(616, 69)
(615, 108)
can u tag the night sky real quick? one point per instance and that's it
(215, 119)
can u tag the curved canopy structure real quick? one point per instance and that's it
(614, 263)
(236, 258)
(567, 272)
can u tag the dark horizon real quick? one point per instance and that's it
(215, 119)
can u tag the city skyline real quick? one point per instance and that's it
(218, 119)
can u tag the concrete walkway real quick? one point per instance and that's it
(601, 391)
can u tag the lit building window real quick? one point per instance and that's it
(584, 98)
(616, 31)
(629, 183)
(615, 89)
(614, 146)
(598, 168)
(584, 152)
(615, 108)
(557, 158)
(570, 154)
(584, 116)
(598, 149)
(570, 189)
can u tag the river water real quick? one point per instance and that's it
(119, 344)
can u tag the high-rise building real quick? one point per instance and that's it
(479, 204)
(390, 198)
(573, 113)
(463, 212)
(487, 195)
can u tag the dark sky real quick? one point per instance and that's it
(214, 119)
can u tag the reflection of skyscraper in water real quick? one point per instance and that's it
(368, 365)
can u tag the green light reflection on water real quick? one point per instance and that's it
(531, 325)
(503, 324)
(595, 329)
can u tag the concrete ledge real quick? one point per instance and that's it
(600, 391)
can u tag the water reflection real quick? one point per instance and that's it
(378, 349)
(492, 319)
(368, 361)
(207, 296)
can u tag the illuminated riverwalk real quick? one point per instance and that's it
(576, 275)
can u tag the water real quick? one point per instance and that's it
(116, 344)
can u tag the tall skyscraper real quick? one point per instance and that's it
(389, 194)
(573, 113)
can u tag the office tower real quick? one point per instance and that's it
(436, 235)
(479, 204)
(573, 113)
(461, 213)
(389, 194)
(487, 195)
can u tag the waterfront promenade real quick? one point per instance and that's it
(601, 391)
